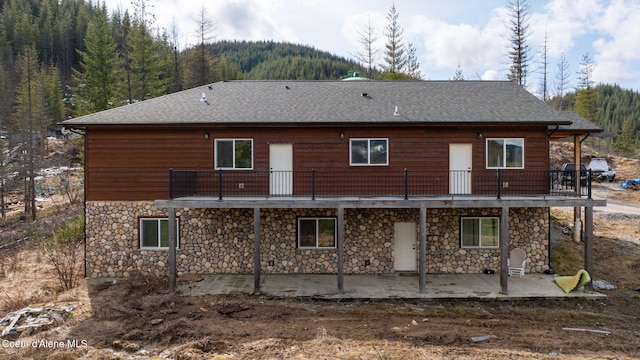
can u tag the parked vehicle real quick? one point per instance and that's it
(567, 174)
(601, 170)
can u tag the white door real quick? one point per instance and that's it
(460, 156)
(281, 169)
(405, 255)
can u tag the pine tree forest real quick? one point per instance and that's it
(617, 113)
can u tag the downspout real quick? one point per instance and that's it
(550, 269)
(578, 232)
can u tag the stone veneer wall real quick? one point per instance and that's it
(221, 241)
(528, 230)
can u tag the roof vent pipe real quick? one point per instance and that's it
(396, 113)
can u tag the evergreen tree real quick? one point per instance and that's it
(121, 33)
(519, 50)
(97, 81)
(562, 76)
(147, 62)
(458, 76)
(177, 80)
(4, 111)
(29, 110)
(586, 95)
(395, 58)
(413, 65)
(205, 28)
(625, 140)
(400, 60)
(54, 106)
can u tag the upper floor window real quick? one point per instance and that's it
(480, 232)
(369, 152)
(154, 233)
(234, 154)
(505, 153)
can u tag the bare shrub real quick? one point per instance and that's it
(65, 251)
(14, 301)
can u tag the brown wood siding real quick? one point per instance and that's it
(125, 164)
(134, 164)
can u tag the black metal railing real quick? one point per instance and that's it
(376, 183)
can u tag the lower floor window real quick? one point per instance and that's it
(317, 232)
(154, 233)
(480, 232)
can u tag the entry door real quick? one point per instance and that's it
(281, 169)
(405, 238)
(460, 156)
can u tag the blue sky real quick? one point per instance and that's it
(472, 33)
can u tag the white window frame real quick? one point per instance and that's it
(158, 220)
(215, 155)
(480, 218)
(368, 140)
(317, 220)
(504, 153)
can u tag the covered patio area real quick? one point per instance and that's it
(420, 283)
(384, 286)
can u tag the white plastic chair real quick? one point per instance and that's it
(517, 262)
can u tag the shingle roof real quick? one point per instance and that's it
(340, 102)
(578, 124)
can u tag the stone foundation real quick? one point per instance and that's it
(214, 241)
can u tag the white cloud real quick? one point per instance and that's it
(251, 20)
(474, 47)
(564, 21)
(490, 75)
(617, 45)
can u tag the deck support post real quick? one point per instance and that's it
(171, 228)
(577, 183)
(256, 250)
(423, 250)
(588, 245)
(504, 250)
(340, 250)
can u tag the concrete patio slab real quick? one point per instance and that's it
(385, 286)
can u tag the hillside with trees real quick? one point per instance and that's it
(615, 110)
(262, 60)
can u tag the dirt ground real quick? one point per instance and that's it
(138, 319)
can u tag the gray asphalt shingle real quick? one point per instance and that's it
(339, 102)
